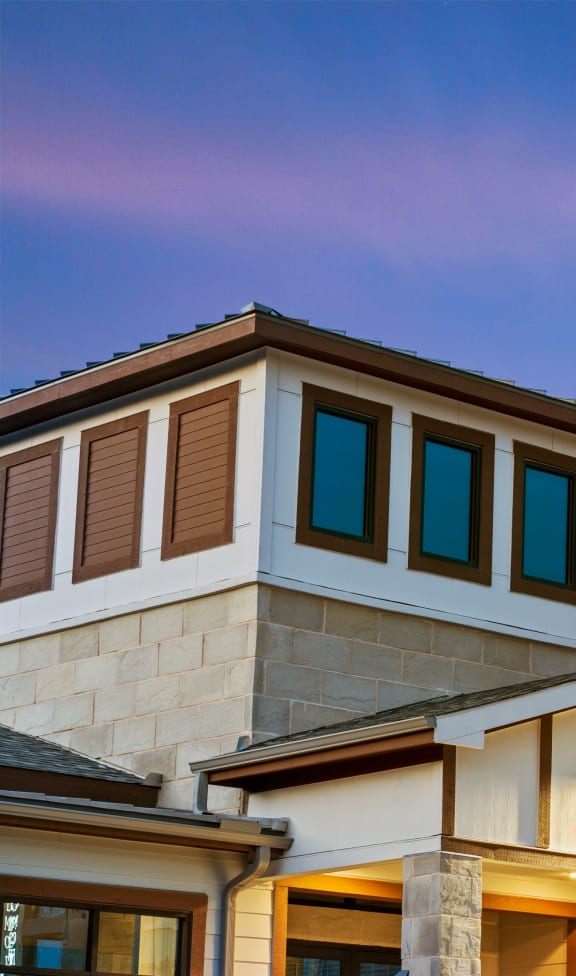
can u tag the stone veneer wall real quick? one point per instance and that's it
(156, 689)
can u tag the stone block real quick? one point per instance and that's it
(222, 718)
(321, 651)
(180, 654)
(57, 681)
(391, 695)
(274, 641)
(95, 740)
(153, 761)
(20, 689)
(136, 664)
(227, 644)
(506, 652)
(477, 677)
(9, 654)
(464, 643)
(350, 620)
(454, 894)
(428, 671)
(180, 725)
(80, 642)
(220, 610)
(161, 623)
(40, 652)
(114, 703)
(271, 715)
(119, 633)
(239, 678)
(159, 695)
(346, 691)
(408, 633)
(177, 794)
(134, 734)
(290, 681)
(203, 685)
(74, 712)
(375, 661)
(300, 610)
(304, 716)
(547, 660)
(35, 719)
(95, 672)
(419, 895)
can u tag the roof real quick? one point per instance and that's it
(408, 735)
(34, 764)
(258, 329)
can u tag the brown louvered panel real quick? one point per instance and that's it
(28, 506)
(110, 487)
(200, 474)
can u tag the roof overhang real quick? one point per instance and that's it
(157, 826)
(247, 333)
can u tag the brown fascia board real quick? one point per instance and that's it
(22, 780)
(341, 762)
(245, 334)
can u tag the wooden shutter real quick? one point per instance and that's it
(199, 499)
(28, 506)
(110, 487)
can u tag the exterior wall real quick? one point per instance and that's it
(391, 585)
(563, 785)
(37, 854)
(154, 581)
(318, 924)
(532, 945)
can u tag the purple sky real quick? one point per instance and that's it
(404, 171)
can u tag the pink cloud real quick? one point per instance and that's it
(428, 197)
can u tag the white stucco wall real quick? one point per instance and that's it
(563, 789)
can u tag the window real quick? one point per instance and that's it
(110, 488)
(451, 500)
(28, 507)
(544, 524)
(329, 959)
(200, 472)
(344, 473)
(113, 932)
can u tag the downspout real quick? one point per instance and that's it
(249, 875)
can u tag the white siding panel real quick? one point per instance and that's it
(563, 794)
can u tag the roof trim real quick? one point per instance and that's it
(246, 333)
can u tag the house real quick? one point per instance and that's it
(270, 536)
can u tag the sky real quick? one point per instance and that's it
(404, 171)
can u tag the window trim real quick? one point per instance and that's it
(462, 437)
(191, 908)
(562, 464)
(169, 549)
(136, 421)
(378, 490)
(49, 448)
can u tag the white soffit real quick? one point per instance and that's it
(467, 728)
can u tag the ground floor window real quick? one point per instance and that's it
(320, 959)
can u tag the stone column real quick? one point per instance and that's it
(441, 914)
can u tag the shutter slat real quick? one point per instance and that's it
(115, 461)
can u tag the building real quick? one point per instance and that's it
(260, 529)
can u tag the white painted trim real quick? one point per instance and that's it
(351, 857)
(475, 721)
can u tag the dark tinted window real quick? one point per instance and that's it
(342, 448)
(448, 501)
(546, 525)
(44, 936)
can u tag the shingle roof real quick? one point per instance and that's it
(21, 751)
(427, 708)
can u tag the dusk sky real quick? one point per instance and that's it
(403, 171)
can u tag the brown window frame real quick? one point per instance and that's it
(480, 569)
(80, 573)
(378, 490)
(563, 464)
(190, 908)
(169, 549)
(49, 448)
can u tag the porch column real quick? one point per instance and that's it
(441, 914)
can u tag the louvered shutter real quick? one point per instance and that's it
(28, 506)
(110, 487)
(199, 499)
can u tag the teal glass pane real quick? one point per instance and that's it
(339, 485)
(447, 501)
(546, 525)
